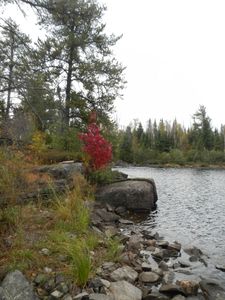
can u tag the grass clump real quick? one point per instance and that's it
(72, 210)
(114, 249)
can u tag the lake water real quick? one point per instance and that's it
(190, 207)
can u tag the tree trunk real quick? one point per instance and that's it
(68, 88)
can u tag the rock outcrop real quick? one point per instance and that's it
(16, 287)
(133, 194)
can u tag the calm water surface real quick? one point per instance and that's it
(191, 207)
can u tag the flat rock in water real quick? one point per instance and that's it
(124, 273)
(156, 296)
(212, 290)
(16, 287)
(123, 290)
(171, 289)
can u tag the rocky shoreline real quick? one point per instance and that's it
(149, 268)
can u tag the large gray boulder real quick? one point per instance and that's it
(134, 194)
(16, 287)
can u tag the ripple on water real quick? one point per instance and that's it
(191, 207)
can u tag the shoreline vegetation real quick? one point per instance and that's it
(70, 245)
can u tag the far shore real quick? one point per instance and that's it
(202, 166)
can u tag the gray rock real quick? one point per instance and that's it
(212, 290)
(107, 216)
(135, 242)
(163, 266)
(174, 246)
(61, 170)
(15, 286)
(162, 244)
(67, 297)
(133, 194)
(126, 222)
(105, 283)
(123, 290)
(2, 294)
(184, 263)
(99, 297)
(40, 279)
(146, 267)
(149, 277)
(193, 251)
(80, 296)
(121, 210)
(179, 297)
(56, 294)
(171, 289)
(124, 273)
(156, 296)
(45, 251)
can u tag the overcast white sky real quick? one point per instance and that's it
(174, 51)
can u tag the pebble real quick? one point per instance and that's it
(56, 294)
(148, 277)
(45, 251)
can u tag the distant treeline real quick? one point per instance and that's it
(163, 142)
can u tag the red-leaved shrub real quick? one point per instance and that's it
(99, 150)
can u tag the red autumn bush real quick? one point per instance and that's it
(99, 150)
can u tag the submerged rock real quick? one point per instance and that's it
(212, 290)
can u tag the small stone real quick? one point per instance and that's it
(156, 296)
(123, 290)
(174, 246)
(40, 279)
(49, 285)
(171, 289)
(135, 242)
(47, 270)
(99, 297)
(45, 251)
(63, 287)
(56, 294)
(126, 222)
(179, 297)
(189, 287)
(193, 258)
(183, 263)
(163, 266)
(146, 267)
(80, 296)
(67, 297)
(62, 258)
(108, 265)
(121, 210)
(148, 277)
(150, 243)
(124, 273)
(162, 244)
(106, 283)
(109, 207)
